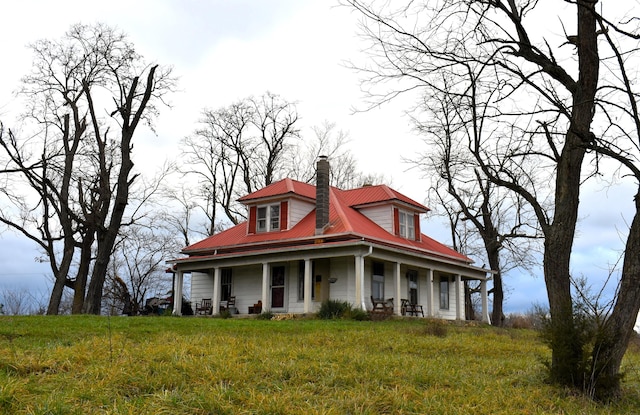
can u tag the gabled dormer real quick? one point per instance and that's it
(279, 206)
(392, 211)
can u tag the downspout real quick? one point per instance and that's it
(362, 301)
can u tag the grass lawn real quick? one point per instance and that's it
(167, 365)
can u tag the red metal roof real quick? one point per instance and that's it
(368, 195)
(344, 221)
(281, 188)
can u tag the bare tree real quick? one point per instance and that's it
(539, 106)
(138, 265)
(332, 143)
(237, 150)
(504, 226)
(89, 92)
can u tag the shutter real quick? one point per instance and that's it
(252, 219)
(416, 226)
(396, 221)
(284, 215)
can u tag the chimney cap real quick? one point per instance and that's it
(322, 157)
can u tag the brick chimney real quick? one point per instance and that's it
(322, 194)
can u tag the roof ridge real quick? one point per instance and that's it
(389, 191)
(289, 183)
(339, 209)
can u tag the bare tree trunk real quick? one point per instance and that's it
(566, 344)
(107, 237)
(82, 276)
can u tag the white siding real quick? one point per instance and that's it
(247, 286)
(343, 270)
(449, 314)
(381, 215)
(201, 287)
(298, 209)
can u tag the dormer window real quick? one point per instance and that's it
(268, 218)
(406, 223)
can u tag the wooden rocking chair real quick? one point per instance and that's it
(204, 307)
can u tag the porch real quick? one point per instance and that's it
(289, 284)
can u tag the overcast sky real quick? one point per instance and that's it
(225, 50)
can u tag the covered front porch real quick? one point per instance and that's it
(299, 282)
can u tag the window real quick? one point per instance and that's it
(444, 293)
(406, 225)
(377, 281)
(412, 279)
(268, 218)
(225, 284)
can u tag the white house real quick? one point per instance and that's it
(304, 244)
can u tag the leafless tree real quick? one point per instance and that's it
(237, 150)
(138, 267)
(545, 104)
(332, 143)
(88, 92)
(504, 228)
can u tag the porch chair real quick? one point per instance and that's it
(407, 308)
(404, 306)
(204, 307)
(382, 306)
(230, 303)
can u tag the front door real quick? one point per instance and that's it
(277, 287)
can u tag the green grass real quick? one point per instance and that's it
(147, 365)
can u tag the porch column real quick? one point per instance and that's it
(307, 286)
(430, 290)
(485, 302)
(359, 300)
(396, 275)
(215, 302)
(266, 303)
(459, 308)
(177, 294)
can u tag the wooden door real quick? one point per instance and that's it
(277, 287)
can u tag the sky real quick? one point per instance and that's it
(223, 51)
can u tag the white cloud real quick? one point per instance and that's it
(226, 50)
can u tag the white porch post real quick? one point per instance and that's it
(177, 294)
(266, 303)
(307, 286)
(430, 292)
(359, 300)
(459, 307)
(485, 302)
(398, 288)
(215, 302)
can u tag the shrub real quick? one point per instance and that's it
(331, 309)
(357, 314)
(225, 314)
(265, 315)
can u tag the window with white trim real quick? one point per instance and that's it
(406, 225)
(225, 284)
(412, 282)
(444, 293)
(268, 218)
(377, 281)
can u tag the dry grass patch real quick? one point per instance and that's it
(79, 365)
